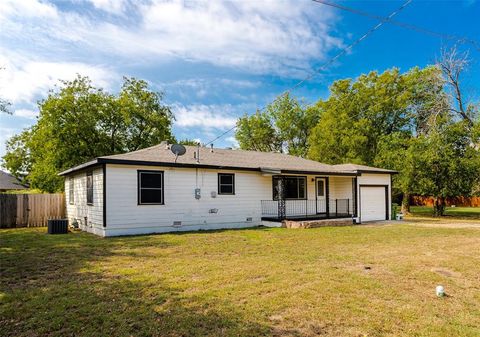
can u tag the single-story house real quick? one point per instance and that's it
(10, 183)
(153, 191)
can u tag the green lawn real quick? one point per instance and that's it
(255, 282)
(457, 212)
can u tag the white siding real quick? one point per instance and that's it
(79, 210)
(374, 179)
(125, 216)
(341, 188)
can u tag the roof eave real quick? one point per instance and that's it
(80, 167)
(103, 160)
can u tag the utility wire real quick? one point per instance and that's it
(459, 39)
(330, 61)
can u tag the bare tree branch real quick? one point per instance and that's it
(453, 63)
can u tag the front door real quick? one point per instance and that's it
(321, 195)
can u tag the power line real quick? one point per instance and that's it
(459, 39)
(330, 61)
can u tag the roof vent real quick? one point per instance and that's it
(211, 148)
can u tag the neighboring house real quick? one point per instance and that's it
(152, 191)
(9, 182)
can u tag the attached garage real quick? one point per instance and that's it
(373, 202)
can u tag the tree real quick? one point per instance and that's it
(188, 142)
(257, 132)
(449, 161)
(358, 114)
(78, 122)
(453, 64)
(284, 126)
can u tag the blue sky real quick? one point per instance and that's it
(214, 60)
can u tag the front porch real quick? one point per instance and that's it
(299, 210)
(310, 197)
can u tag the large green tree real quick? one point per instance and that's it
(284, 125)
(448, 161)
(78, 122)
(359, 113)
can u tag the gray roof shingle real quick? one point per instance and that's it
(220, 158)
(9, 182)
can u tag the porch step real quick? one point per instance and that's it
(317, 223)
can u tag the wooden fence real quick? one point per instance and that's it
(457, 201)
(30, 210)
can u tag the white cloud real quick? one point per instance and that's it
(22, 80)
(233, 141)
(28, 9)
(110, 6)
(275, 37)
(26, 113)
(204, 116)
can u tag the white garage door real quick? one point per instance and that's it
(372, 203)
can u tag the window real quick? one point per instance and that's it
(71, 190)
(90, 188)
(150, 187)
(320, 187)
(226, 183)
(294, 187)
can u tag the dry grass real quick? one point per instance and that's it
(256, 282)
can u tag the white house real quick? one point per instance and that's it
(153, 191)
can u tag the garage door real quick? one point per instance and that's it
(372, 203)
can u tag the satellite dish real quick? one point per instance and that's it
(178, 150)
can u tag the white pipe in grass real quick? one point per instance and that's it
(440, 291)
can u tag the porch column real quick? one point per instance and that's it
(281, 198)
(354, 196)
(327, 196)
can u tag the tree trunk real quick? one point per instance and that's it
(406, 203)
(439, 206)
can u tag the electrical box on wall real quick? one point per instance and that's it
(197, 193)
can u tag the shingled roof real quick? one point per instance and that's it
(362, 168)
(9, 182)
(272, 162)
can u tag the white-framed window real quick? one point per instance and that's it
(90, 188)
(71, 190)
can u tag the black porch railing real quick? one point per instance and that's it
(299, 209)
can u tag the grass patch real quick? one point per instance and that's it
(254, 282)
(453, 212)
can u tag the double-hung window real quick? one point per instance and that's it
(150, 188)
(226, 183)
(293, 187)
(90, 188)
(71, 186)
